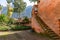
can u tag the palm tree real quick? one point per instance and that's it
(19, 6)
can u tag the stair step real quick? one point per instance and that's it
(56, 37)
(46, 28)
(51, 33)
(49, 30)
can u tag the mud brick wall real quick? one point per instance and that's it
(35, 24)
(49, 11)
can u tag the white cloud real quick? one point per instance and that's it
(3, 2)
(28, 3)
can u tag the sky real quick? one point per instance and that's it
(4, 3)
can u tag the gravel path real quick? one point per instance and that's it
(21, 35)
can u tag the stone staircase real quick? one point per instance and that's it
(47, 30)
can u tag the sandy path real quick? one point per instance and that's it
(20, 35)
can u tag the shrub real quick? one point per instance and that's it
(4, 28)
(11, 21)
(26, 20)
(13, 27)
(3, 18)
(21, 28)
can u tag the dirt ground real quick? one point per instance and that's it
(20, 35)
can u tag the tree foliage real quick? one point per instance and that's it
(33, 1)
(0, 7)
(3, 18)
(26, 19)
(19, 6)
(9, 1)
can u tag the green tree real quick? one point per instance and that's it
(19, 6)
(0, 9)
(3, 18)
(26, 19)
(33, 1)
(9, 1)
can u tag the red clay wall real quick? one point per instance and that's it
(35, 24)
(49, 11)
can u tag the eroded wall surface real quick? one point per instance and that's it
(49, 11)
(35, 24)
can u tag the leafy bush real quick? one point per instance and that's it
(20, 28)
(4, 28)
(26, 20)
(14, 28)
(11, 21)
(3, 18)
